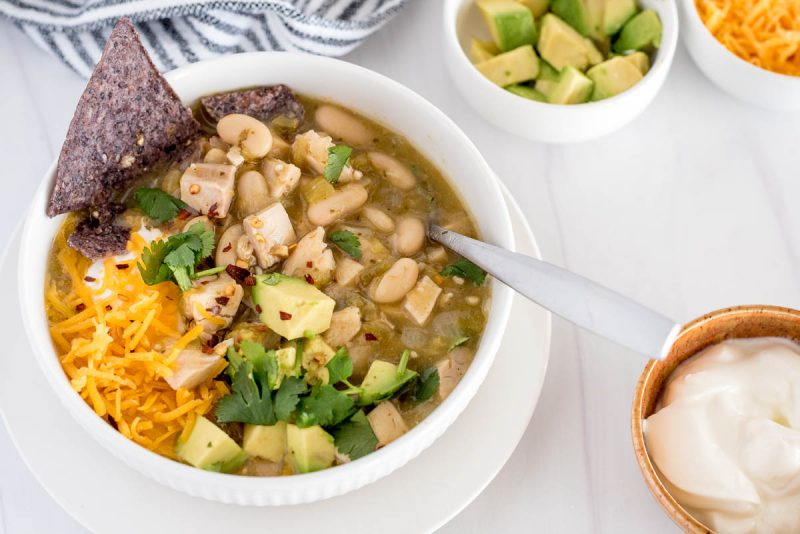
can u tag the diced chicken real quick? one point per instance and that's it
(347, 270)
(192, 368)
(451, 369)
(421, 300)
(387, 423)
(311, 259)
(345, 324)
(282, 178)
(310, 149)
(360, 354)
(208, 188)
(213, 302)
(268, 229)
(437, 255)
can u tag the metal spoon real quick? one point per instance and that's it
(573, 297)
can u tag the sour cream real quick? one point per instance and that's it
(726, 436)
(96, 272)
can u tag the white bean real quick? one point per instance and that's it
(379, 219)
(342, 125)
(252, 193)
(409, 237)
(250, 134)
(226, 248)
(395, 172)
(396, 282)
(341, 204)
(215, 155)
(200, 219)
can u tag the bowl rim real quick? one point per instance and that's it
(666, 52)
(242, 489)
(710, 42)
(679, 515)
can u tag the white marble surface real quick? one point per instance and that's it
(687, 209)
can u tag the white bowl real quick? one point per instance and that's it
(732, 74)
(379, 98)
(538, 121)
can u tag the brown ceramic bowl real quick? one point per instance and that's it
(729, 323)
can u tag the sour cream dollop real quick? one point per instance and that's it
(726, 436)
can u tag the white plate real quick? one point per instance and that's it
(105, 495)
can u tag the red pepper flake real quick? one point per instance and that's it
(89, 279)
(309, 279)
(207, 350)
(183, 215)
(228, 247)
(309, 264)
(80, 307)
(258, 308)
(369, 336)
(122, 266)
(222, 300)
(249, 280)
(284, 315)
(238, 273)
(108, 307)
(212, 210)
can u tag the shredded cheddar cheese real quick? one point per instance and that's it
(116, 343)
(765, 33)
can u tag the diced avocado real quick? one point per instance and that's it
(509, 22)
(310, 449)
(208, 447)
(560, 45)
(290, 306)
(382, 380)
(519, 65)
(642, 32)
(616, 13)
(546, 87)
(267, 442)
(573, 87)
(613, 77)
(526, 91)
(316, 355)
(640, 61)
(482, 50)
(537, 7)
(287, 363)
(585, 16)
(547, 72)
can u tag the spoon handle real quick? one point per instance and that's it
(575, 298)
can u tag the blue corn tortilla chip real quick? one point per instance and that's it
(264, 103)
(127, 120)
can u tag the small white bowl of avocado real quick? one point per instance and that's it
(559, 71)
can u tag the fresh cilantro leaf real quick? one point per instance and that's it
(427, 384)
(183, 256)
(249, 402)
(325, 407)
(337, 159)
(348, 242)
(288, 396)
(151, 264)
(235, 361)
(355, 437)
(465, 269)
(157, 204)
(458, 342)
(176, 257)
(340, 367)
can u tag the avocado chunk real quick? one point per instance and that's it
(482, 50)
(561, 46)
(292, 307)
(509, 22)
(642, 32)
(586, 16)
(310, 449)
(267, 442)
(208, 447)
(547, 72)
(537, 7)
(640, 61)
(383, 379)
(616, 13)
(573, 87)
(519, 65)
(612, 77)
(526, 91)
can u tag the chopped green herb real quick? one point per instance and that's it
(355, 437)
(348, 242)
(337, 159)
(157, 204)
(250, 400)
(288, 396)
(325, 407)
(465, 269)
(427, 384)
(176, 257)
(458, 342)
(340, 367)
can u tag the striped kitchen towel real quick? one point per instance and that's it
(177, 32)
